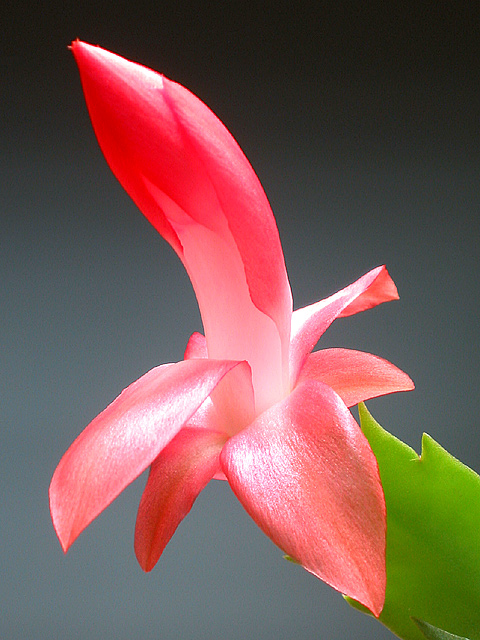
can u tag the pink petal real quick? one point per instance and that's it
(309, 323)
(229, 408)
(306, 474)
(191, 180)
(208, 417)
(382, 289)
(355, 375)
(177, 476)
(121, 442)
(196, 347)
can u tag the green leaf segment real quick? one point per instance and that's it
(433, 538)
(432, 633)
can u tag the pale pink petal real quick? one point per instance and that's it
(125, 438)
(231, 406)
(309, 323)
(208, 417)
(191, 180)
(176, 478)
(196, 347)
(306, 474)
(355, 375)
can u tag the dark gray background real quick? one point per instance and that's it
(362, 122)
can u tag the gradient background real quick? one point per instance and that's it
(362, 122)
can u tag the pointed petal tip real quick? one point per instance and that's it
(65, 545)
(374, 600)
(78, 45)
(386, 283)
(196, 347)
(82, 51)
(372, 596)
(62, 528)
(145, 555)
(381, 288)
(54, 514)
(376, 605)
(146, 563)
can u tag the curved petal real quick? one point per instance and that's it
(196, 347)
(121, 442)
(177, 476)
(208, 417)
(306, 474)
(191, 180)
(355, 375)
(309, 323)
(229, 408)
(382, 289)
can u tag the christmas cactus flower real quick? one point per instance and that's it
(249, 403)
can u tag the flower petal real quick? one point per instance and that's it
(355, 375)
(208, 417)
(306, 474)
(382, 289)
(309, 323)
(177, 476)
(125, 438)
(191, 180)
(229, 408)
(196, 347)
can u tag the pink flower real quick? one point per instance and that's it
(249, 403)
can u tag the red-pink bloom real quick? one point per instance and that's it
(249, 403)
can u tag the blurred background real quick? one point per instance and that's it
(362, 122)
